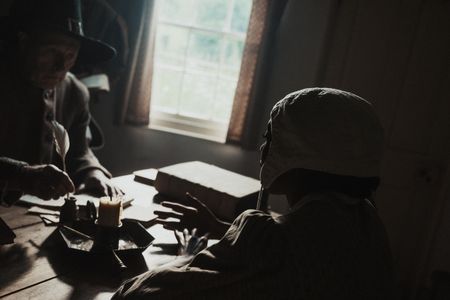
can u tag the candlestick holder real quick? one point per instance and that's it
(88, 238)
(106, 237)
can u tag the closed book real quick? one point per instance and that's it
(226, 193)
(146, 176)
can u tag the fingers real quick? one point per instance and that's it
(114, 191)
(85, 189)
(177, 226)
(118, 191)
(201, 244)
(93, 186)
(58, 191)
(185, 234)
(65, 184)
(48, 182)
(97, 183)
(80, 189)
(199, 205)
(99, 188)
(60, 185)
(190, 243)
(169, 225)
(179, 237)
(46, 192)
(194, 201)
(168, 214)
(181, 242)
(111, 191)
(178, 207)
(199, 217)
(106, 188)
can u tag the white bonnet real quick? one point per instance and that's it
(326, 130)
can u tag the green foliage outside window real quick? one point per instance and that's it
(198, 53)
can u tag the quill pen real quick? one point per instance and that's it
(62, 142)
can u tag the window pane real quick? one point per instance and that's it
(232, 56)
(241, 15)
(212, 13)
(196, 94)
(181, 11)
(166, 89)
(171, 43)
(198, 54)
(204, 51)
(224, 100)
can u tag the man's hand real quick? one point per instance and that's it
(97, 184)
(189, 243)
(193, 215)
(45, 181)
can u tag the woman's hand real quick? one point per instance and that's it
(189, 243)
(193, 215)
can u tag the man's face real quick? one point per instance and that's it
(47, 57)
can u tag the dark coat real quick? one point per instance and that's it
(26, 115)
(329, 246)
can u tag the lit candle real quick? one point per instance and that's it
(110, 212)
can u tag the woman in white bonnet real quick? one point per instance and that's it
(322, 150)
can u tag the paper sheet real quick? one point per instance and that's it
(81, 200)
(139, 213)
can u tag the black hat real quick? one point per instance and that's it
(63, 16)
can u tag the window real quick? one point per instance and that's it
(198, 52)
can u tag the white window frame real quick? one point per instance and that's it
(194, 127)
(187, 125)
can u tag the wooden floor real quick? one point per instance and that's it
(39, 265)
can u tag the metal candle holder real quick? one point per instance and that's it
(106, 237)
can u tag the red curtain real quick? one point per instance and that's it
(134, 103)
(264, 20)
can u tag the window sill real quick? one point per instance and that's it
(193, 127)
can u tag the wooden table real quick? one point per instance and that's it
(39, 266)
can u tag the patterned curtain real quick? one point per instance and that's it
(264, 19)
(134, 105)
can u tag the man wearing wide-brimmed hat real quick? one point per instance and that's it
(42, 41)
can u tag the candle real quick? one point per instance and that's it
(110, 211)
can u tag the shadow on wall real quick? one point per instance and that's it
(4, 7)
(130, 148)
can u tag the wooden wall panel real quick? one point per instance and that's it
(396, 54)
(419, 99)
